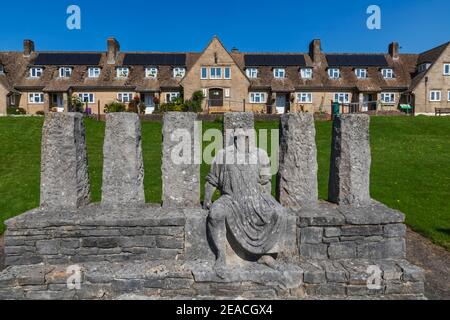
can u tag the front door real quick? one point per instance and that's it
(149, 104)
(216, 97)
(281, 103)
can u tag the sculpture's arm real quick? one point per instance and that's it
(209, 192)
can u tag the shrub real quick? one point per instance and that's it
(115, 107)
(40, 113)
(76, 104)
(136, 106)
(16, 111)
(178, 105)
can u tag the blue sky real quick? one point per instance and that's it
(281, 25)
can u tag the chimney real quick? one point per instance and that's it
(394, 50)
(113, 50)
(315, 50)
(235, 50)
(28, 47)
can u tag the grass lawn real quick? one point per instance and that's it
(410, 166)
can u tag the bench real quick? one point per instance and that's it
(441, 111)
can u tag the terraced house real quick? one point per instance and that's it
(230, 80)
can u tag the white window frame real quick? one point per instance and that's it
(36, 72)
(90, 97)
(205, 93)
(258, 97)
(344, 95)
(387, 97)
(251, 73)
(213, 73)
(306, 73)
(2, 68)
(125, 97)
(151, 72)
(423, 67)
(179, 72)
(225, 73)
(94, 72)
(35, 98)
(334, 73)
(226, 92)
(304, 97)
(65, 72)
(446, 70)
(387, 73)
(172, 96)
(279, 73)
(435, 95)
(204, 73)
(122, 72)
(448, 95)
(361, 73)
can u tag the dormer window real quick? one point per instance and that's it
(252, 73)
(361, 73)
(387, 73)
(179, 72)
(334, 73)
(151, 72)
(423, 67)
(93, 72)
(122, 72)
(279, 73)
(65, 72)
(36, 72)
(306, 73)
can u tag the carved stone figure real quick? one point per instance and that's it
(255, 220)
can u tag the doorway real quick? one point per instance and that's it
(216, 97)
(280, 103)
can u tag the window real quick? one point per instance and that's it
(279, 73)
(227, 72)
(215, 73)
(306, 73)
(342, 97)
(205, 93)
(435, 95)
(37, 98)
(304, 97)
(179, 72)
(388, 97)
(258, 97)
(172, 96)
(448, 95)
(423, 67)
(446, 69)
(387, 73)
(361, 73)
(122, 72)
(125, 97)
(36, 72)
(151, 72)
(65, 72)
(227, 93)
(2, 69)
(251, 73)
(204, 73)
(87, 97)
(334, 73)
(12, 100)
(93, 72)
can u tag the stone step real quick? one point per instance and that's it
(196, 280)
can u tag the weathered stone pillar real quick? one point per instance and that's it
(297, 177)
(64, 167)
(180, 160)
(236, 120)
(350, 160)
(123, 167)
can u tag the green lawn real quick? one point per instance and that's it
(410, 170)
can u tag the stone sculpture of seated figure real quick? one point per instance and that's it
(246, 208)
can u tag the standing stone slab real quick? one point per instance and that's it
(236, 120)
(123, 167)
(180, 166)
(64, 167)
(350, 161)
(297, 178)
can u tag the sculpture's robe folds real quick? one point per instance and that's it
(256, 220)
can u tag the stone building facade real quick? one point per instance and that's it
(230, 80)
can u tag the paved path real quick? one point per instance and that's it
(421, 251)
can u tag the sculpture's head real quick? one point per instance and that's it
(241, 140)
